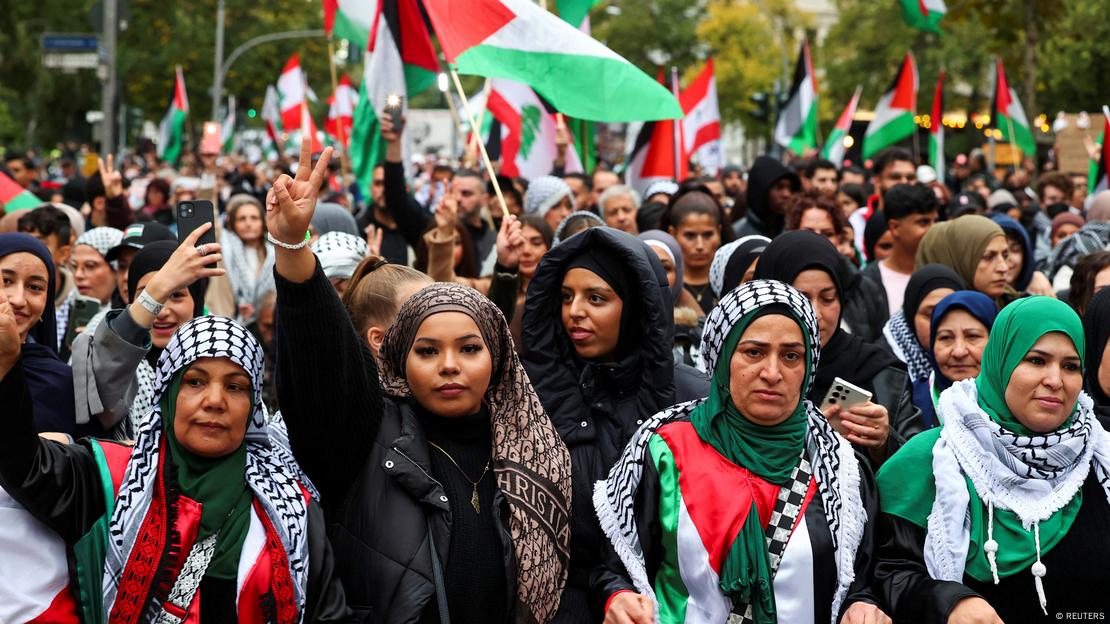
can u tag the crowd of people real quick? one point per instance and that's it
(792, 392)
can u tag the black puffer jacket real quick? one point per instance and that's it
(765, 172)
(865, 305)
(597, 407)
(368, 456)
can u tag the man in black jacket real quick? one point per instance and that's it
(771, 188)
(393, 211)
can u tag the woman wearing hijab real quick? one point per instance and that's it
(114, 364)
(1023, 276)
(207, 518)
(332, 218)
(734, 263)
(598, 340)
(958, 334)
(339, 255)
(688, 317)
(1000, 514)
(977, 249)
(811, 264)
(1096, 326)
(447, 436)
(29, 282)
(574, 223)
(791, 542)
(907, 332)
(94, 275)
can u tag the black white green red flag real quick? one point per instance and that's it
(893, 121)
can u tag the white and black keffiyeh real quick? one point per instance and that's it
(561, 231)
(903, 342)
(249, 281)
(271, 473)
(102, 239)
(1092, 237)
(339, 254)
(1032, 476)
(831, 457)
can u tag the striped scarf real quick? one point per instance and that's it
(903, 342)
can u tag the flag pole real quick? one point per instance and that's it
(343, 162)
(482, 148)
(1013, 144)
(675, 124)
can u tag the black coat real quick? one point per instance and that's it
(1078, 567)
(61, 485)
(368, 456)
(597, 407)
(866, 310)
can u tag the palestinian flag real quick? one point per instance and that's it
(834, 144)
(350, 20)
(401, 61)
(576, 12)
(171, 132)
(526, 132)
(341, 109)
(227, 129)
(1100, 178)
(271, 117)
(518, 40)
(894, 113)
(924, 14)
(652, 157)
(936, 130)
(14, 197)
(796, 129)
(1008, 116)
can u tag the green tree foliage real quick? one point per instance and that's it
(650, 31)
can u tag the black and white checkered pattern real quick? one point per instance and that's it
(272, 474)
(102, 239)
(340, 253)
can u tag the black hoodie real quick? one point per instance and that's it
(597, 407)
(761, 178)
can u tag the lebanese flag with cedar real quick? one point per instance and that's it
(653, 154)
(701, 128)
(341, 109)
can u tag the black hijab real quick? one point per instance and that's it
(49, 379)
(150, 259)
(845, 356)
(610, 268)
(1096, 326)
(924, 281)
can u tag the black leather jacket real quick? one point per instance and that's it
(61, 485)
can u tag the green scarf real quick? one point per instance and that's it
(218, 484)
(769, 452)
(906, 485)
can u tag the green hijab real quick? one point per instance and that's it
(958, 244)
(218, 484)
(769, 452)
(907, 488)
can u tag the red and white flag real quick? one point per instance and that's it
(701, 127)
(34, 574)
(341, 110)
(653, 153)
(292, 93)
(528, 128)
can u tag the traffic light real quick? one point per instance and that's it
(762, 106)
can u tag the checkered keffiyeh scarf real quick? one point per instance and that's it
(527, 456)
(102, 239)
(272, 474)
(339, 254)
(1032, 476)
(903, 342)
(831, 457)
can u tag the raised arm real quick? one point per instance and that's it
(412, 219)
(57, 483)
(327, 381)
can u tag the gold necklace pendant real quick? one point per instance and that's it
(474, 500)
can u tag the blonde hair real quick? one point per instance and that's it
(371, 295)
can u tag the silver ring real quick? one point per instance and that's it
(202, 249)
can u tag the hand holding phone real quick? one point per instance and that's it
(394, 107)
(845, 395)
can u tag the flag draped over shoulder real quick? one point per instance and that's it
(400, 61)
(796, 128)
(1008, 116)
(579, 76)
(171, 132)
(894, 113)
